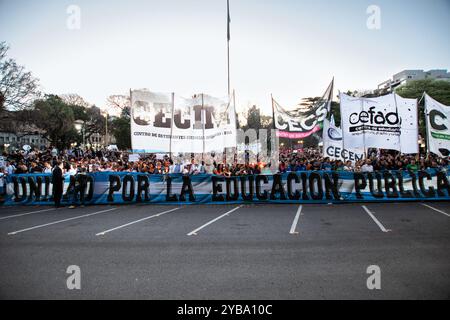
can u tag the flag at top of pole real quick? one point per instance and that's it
(228, 20)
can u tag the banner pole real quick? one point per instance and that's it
(396, 111)
(423, 95)
(364, 130)
(273, 113)
(203, 127)
(131, 120)
(171, 124)
(426, 122)
(235, 118)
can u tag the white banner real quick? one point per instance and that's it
(333, 146)
(438, 126)
(163, 122)
(386, 122)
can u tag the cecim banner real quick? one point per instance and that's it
(162, 123)
(438, 126)
(333, 146)
(386, 122)
(294, 187)
(305, 121)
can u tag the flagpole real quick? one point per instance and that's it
(364, 129)
(396, 111)
(273, 113)
(172, 124)
(203, 121)
(427, 151)
(235, 116)
(340, 112)
(228, 45)
(131, 117)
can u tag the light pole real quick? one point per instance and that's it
(106, 128)
(79, 126)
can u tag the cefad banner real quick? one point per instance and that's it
(294, 187)
(386, 122)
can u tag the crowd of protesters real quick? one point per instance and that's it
(309, 159)
(377, 160)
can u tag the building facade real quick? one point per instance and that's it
(18, 140)
(406, 76)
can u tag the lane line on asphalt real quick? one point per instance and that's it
(60, 221)
(194, 232)
(25, 214)
(376, 220)
(294, 223)
(136, 221)
(435, 209)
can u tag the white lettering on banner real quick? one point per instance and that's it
(438, 126)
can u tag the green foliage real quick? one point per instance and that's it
(122, 131)
(254, 118)
(55, 118)
(438, 89)
(79, 112)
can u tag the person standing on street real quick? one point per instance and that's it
(58, 183)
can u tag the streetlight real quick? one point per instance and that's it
(79, 126)
(105, 113)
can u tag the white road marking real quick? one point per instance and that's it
(433, 208)
(294, 223)
(60, 221)
(25, 214)
(134, 222)
(194, 233)
(376, 220)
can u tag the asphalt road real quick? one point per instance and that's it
(254, 252)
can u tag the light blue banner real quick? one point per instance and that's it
(294, 187)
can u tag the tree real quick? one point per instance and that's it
(336, 112)
(438, 89)
(55, 119)
(122, 132)
(120, 126)
(18, 88)
(94, 121)
(74, 100)
(254, 118)
(95, 124)
(119, 103)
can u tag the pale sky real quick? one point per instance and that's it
(291, 49)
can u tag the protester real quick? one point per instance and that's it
(76, 160)
(58, 183)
